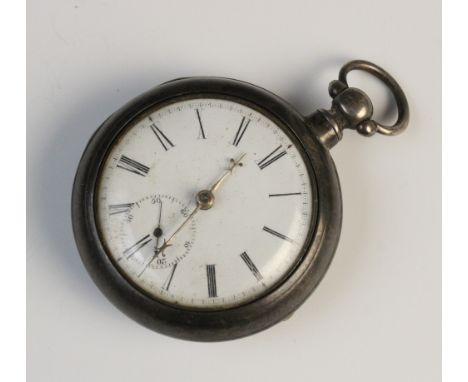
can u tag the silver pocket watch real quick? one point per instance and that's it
(209, 209)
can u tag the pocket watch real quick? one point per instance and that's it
(209, 209)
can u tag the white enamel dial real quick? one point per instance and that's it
(234, 251)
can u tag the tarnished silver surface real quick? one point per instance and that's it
(313, 136)
(353, 109)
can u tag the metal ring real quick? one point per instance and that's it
(387, 79)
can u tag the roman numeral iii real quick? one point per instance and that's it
(240, 131)
(211, 278)
(286, 194)
(270, 158)
(132, 165)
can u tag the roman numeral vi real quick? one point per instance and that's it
(211, 277)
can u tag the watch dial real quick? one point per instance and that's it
(252, 227)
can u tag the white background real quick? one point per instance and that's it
(376, 315)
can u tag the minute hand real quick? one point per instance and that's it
(220, 181)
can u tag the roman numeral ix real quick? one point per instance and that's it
(248, 261)
(240, 131)
(132, 165)
(270, 158)
(211, 277)
(162, 138)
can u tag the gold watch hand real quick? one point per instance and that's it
(233, 164)
(167, 242)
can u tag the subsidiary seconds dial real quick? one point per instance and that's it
(223, 173)
(149, 219)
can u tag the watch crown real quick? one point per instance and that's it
(352, 109)
(354, 106)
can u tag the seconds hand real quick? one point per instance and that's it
(204, 199)
(157, 233)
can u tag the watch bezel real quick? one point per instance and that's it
(220, 324)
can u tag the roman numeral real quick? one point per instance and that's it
(277, 234)
(132, 165)
(288, 194)
(248, 261)
(129, 252)
(240, 131)
(162, 138)
(211, 277)
(168, 281)
(201, 124)
(119, 208)
(270, 158)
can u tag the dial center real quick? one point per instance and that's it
(205, 199)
